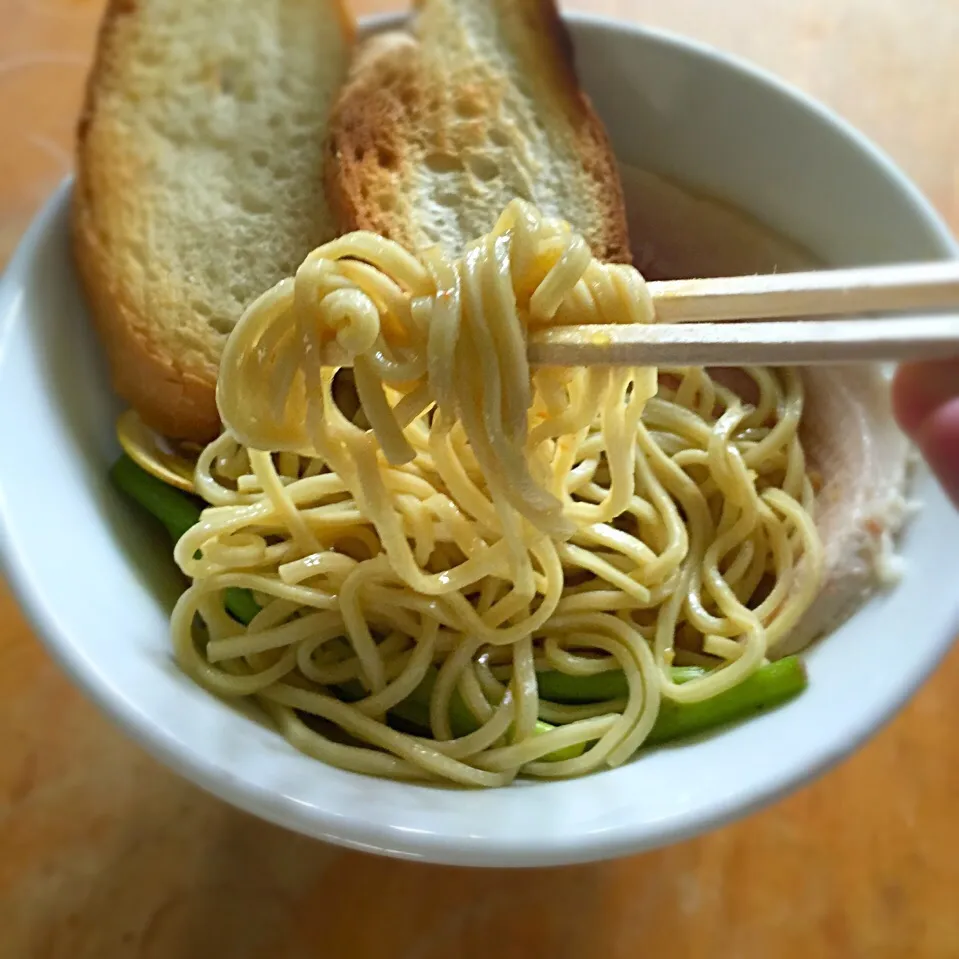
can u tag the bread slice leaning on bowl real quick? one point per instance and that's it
(199, 182)
(438, 130)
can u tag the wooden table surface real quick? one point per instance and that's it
(103, 853)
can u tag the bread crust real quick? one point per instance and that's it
(611, 243)
(372, 120)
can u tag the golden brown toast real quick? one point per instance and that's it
(437, 131)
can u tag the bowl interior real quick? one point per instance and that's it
(98, 580)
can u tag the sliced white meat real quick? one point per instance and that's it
(863, 459)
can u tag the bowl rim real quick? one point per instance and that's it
(363, 835)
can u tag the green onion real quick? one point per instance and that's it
(178, 512)
(570, 690)
(769, 686)
(415, 712)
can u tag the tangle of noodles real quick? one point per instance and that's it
(451, 522)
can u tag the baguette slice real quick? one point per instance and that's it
(435, 133)
(200, 182)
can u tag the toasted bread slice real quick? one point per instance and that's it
(435, 133)
(199, 182)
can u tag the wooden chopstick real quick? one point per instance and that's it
(776, 343)
(919, 287)
(698, 321)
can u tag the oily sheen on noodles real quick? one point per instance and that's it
(440, 523)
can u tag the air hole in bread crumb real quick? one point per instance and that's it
(499, 137)
(227, 77)
(483, 168)
(443, 163)
(468, 106)
(240, 294)
(386, 158)
(254, 204)
(244, 93)
(386, 202)
(260, 158)
(450, 200)
(149, 56)
(358, 153)
(222, 325)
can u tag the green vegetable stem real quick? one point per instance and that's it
(771, 685)
(177, 511)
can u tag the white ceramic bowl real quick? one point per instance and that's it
(97, 584)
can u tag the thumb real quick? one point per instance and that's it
(926, 405)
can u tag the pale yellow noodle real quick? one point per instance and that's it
(426, 535)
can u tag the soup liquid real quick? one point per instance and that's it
(678, 235)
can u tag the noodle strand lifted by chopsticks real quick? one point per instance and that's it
(432, 534)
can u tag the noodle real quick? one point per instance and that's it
(433, 535)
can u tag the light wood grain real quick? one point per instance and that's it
(783, 343)
(106, 855)
(698, 321)
(912, 287)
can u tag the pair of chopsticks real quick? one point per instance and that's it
(785, 319)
